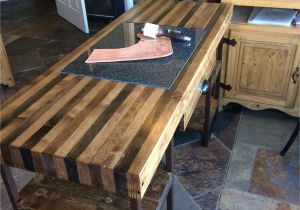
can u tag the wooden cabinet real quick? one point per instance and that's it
(263, 67)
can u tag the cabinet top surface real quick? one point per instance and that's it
(289, 4)
(103, 133)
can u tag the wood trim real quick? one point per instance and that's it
(288, 4)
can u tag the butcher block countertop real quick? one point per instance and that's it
(103, 133)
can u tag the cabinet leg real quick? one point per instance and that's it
(170, 169)
(10, 185)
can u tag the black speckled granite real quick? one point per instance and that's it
(161, 72)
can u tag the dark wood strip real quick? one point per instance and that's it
(131, 151)
(8, 113)
(56, 118)
(177, 14)
(100, 122)
(74, 121)
(19, 124)
(149, 12)
(189, 15)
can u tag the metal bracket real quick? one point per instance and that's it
(231, 42)
(225, 87)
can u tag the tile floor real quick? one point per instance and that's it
(241, 168)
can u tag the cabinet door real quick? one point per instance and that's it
(260, 68)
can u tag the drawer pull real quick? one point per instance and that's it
(204, 87)
(295, 74)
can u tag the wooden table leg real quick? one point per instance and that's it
(135, 204)
(206, 127)
(170, 169)
(10, 185)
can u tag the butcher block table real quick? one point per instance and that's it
(106, 134)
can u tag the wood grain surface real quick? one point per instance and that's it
(103, 133)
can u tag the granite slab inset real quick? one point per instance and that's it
(276, 176)
(201, 169)
(161, 72)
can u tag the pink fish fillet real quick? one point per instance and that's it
(146, 48)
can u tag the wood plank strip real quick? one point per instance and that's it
(176, 15)
(48, 114)
(17, 125)
(60, 131)
(52, 140)
(161, 12)
(95, 122)
(203, 15)
(108, 128)
(150, 11)
(113, 150)
(149, 155)
(28, 94)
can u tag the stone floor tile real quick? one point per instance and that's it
(226, 125)
(182, 138)
(268, 128)
(209, 200)
(54, 48)
(237, 200)
(21, 178)
(201, 169)
(50, 61)
(24, 45)
(26, 62)
(241, 165)
(22, 78)
(276, 176)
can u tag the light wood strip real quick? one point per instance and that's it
(67, 120)
(150, 11)
(167, 6)
(21, 139)
(110, 153)
(89, 120)
(108, 128)
(203, 15)
(31, 92)
(34, 110)
(176, 15)
(149, 155)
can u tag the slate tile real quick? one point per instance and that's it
(201, 169)
(181, 138)
(209, 200)
(54, 48)
(267, 128)
(237, 200)
(24, 45)
(22, 79)
(26, 62)
(276, 176)
(241, 165)
(226, 125)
